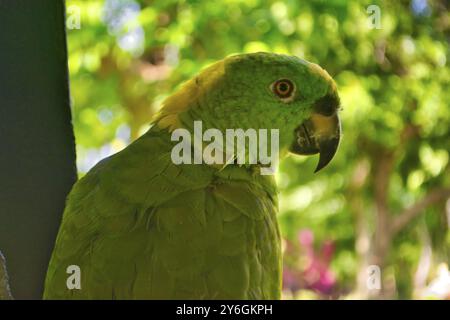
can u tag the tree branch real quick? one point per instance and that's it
(5, 293)
(416, 209)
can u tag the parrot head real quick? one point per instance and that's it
(263, 91)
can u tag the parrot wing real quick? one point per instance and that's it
(140, 227)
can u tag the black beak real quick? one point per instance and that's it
(319, 134)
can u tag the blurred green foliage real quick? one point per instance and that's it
(394, 84)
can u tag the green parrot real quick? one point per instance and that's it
(139, 226)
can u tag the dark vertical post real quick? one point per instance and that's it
(37, 149)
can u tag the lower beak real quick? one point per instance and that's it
(319, 134)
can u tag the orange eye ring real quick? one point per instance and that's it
(283, 88)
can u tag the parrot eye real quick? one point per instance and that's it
(284, 89)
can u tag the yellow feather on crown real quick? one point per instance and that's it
(186, 97)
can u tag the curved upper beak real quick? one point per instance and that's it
(321, 134)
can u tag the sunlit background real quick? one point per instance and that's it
(383, 200)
